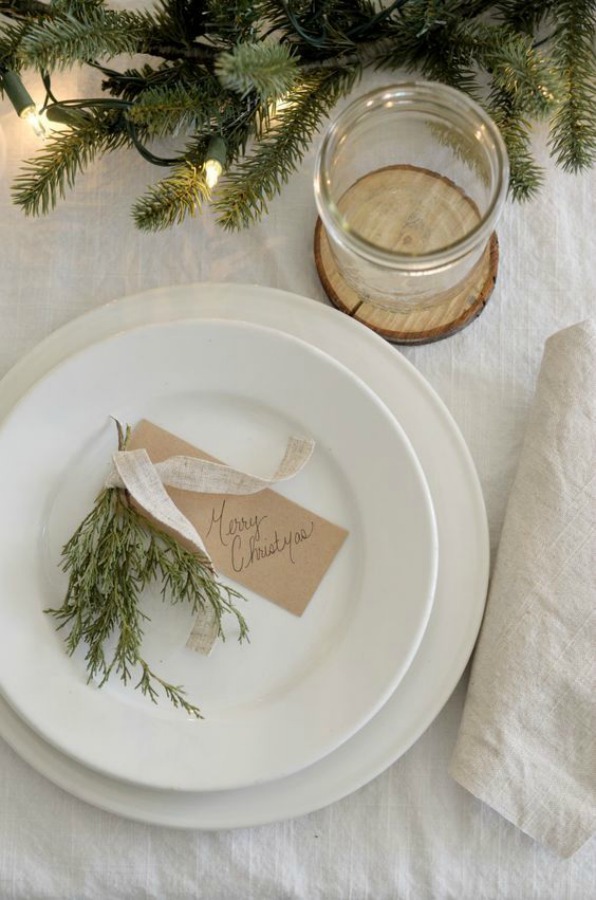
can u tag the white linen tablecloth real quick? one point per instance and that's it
(413, 833)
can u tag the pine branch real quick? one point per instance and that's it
(64, 40)
(268, 68)
(235, 21)
(441, 49)
(181, 21)
(172, 108)
(451, 48)
(10, 41)
(172, 199)
(131, 83)
(525, 175)
(257, 179)
(573, 130)
(48, 175)
(520, 71)
(525, 16)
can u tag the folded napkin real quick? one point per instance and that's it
(527, 742)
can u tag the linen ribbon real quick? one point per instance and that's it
(146, 482)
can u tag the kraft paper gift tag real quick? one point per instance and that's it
(265, 542)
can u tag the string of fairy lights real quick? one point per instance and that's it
(69, 111)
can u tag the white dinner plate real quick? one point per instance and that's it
(461, 584)
(303, 685)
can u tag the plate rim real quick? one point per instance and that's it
(255, 806)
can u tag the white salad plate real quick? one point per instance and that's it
(461, 582)
(302, 685)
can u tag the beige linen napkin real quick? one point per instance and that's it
(527, 739)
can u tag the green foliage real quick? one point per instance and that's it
(172, 199)
(48, 175)
(520, 72)
(111, 558)
(525, 16)
(10, 41)
(256, 179)
(236, 22)
(573, 136)
(267, 68)
(96, 32)
(525, 175)
(174, 108)
(216, 66)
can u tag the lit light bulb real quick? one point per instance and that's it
(213, 169)
(33, 118)
(215, 160)
(22, 101)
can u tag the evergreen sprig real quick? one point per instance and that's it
(171, 200)
(573, 135)
(269, 69)
(114, 554)
(48, 175)
(526, 176)
(525, 16)
(254, 181)
(170, 109)
(61, 41)
(217, 67)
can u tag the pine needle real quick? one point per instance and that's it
(525, 175)
(267, 68)
(112, 556)
(244, 195)
(64, 155)
(174, 108)
(57, 43)
(573, 132)
(172, 199)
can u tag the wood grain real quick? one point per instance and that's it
(411, 210)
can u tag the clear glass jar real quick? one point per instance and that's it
(410, 181)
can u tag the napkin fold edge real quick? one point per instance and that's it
(459, 770)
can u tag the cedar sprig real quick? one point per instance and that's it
(113, 555)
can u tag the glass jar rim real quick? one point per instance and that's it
(428, 96)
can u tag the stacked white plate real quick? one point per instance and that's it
(314, 706)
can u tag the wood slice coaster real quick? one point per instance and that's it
(425, 210)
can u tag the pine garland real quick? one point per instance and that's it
(218, 68)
